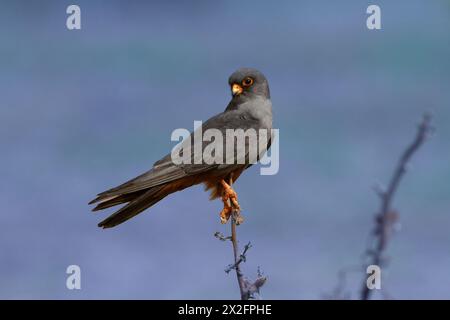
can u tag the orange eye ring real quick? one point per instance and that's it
(247, 82)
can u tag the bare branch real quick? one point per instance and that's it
(240, 276)
(242, 258)
(247, 288)
(221, 237)
(387, 218)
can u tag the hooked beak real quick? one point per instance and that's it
(236, 89)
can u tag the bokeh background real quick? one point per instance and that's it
(81, 111)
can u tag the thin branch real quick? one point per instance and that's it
(242, 258)
(221, 237)
(239, 274)
(388, 217)
(248, 290)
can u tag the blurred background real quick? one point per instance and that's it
(82, 111)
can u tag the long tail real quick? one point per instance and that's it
(137, 203)
(116, 200)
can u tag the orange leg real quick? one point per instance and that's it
(229, 207)
(229, 193)
(226, 211)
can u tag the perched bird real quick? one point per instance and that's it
(249, 108)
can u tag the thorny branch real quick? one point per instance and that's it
(242, 258)
(248, 289)
(387, 217)
(221, 237)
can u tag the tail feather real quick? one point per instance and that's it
(136, 206)
(102, 198)
(114, 201)
(138, 201)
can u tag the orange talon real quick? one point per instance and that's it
(226, 211)
(229, 195)
(225, 215)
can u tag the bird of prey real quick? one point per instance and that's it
(249, 108)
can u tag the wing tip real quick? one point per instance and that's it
(102, 198)
(94, 201)
(102, 226)
(107, 224)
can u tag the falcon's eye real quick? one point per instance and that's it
(247, 82)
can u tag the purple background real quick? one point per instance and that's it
(81, 111)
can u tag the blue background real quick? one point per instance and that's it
(81, 111)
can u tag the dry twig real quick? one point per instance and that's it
(247, 288)
(387, 217)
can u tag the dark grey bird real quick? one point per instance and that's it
(249, 108)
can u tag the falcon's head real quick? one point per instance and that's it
(248, 82)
